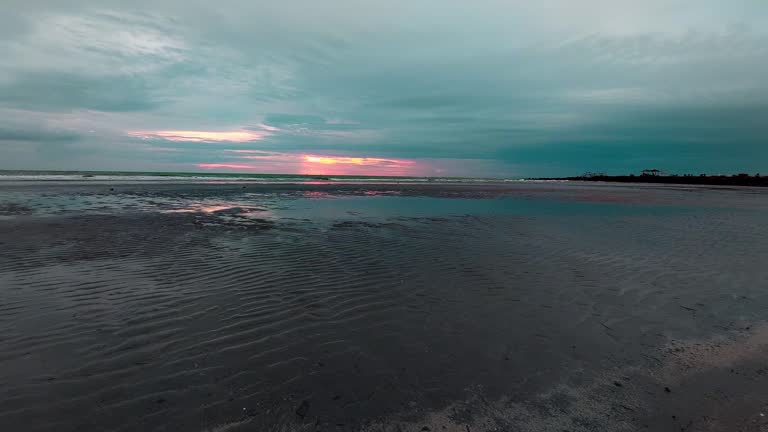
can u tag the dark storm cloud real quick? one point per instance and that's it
(36, 135)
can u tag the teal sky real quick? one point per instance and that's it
(417, 87)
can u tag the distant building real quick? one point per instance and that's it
(651, 172)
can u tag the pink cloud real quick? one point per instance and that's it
(269, 128)
(201, 136)
(346, 160)
(250, 151)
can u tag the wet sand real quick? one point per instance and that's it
(349, 307)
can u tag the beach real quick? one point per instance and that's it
(243, 305)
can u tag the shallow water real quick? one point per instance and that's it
(377, 307)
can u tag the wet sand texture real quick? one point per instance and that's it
(341, 308)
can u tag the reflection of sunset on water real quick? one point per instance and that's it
(234, 209)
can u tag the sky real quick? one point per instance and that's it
(486, 88)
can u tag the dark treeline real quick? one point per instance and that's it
(656, 176)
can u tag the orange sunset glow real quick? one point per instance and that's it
(275, 162)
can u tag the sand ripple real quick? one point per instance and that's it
(192, 321)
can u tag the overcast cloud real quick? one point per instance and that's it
(430, 87)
